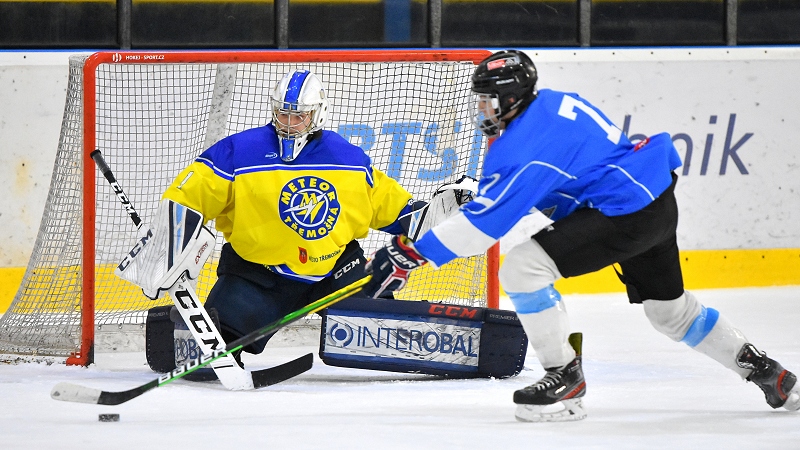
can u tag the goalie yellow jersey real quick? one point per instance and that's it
(294, 217)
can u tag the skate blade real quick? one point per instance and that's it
(564, 411)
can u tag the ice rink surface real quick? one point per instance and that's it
(643, 391)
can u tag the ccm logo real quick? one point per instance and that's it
(452, 311)
(135, 251)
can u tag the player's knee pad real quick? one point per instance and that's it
(528, 268)
(676, 318)
(683, 319)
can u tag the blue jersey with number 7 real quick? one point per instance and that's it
(560, 154)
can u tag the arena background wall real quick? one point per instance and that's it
(732, 112)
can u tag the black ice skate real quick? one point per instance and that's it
(562, 386)
(779, 385)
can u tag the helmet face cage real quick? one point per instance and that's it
(485, 112)
(299, 108)
(509, 78)
(292, 120)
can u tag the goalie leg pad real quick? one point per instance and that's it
(159, 339)
(186, 348)
(421, 337)
(169, 343)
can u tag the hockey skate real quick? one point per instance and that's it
(557, 396)
(779, 385)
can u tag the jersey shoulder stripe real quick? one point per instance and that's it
(306, 167)
(210, 164)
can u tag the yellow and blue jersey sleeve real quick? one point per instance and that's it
(297, 217)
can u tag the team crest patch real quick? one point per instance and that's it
(309, 206)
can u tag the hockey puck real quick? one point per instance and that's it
(109, 418)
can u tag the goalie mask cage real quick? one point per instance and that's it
(152, 113)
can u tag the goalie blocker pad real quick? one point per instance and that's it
(422, 337)
(176, 243)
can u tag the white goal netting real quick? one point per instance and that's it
(150, 120)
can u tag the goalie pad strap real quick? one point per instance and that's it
(421, 337)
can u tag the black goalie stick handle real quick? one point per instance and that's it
(112, 180)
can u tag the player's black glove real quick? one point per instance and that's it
(390, 266)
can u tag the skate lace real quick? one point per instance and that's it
(550, 379)
(755, 360)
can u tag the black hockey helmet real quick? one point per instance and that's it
(509, 76)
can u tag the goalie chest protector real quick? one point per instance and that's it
(422, 337)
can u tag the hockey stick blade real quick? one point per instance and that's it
(277, 374)
(69, 392)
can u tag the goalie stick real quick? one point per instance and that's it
(230, 374)
(70, 392)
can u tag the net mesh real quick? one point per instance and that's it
(152, 120)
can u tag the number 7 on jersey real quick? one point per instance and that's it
(567, 109)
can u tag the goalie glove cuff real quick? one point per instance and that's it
(390, 267)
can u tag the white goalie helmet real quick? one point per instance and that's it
(299, 108)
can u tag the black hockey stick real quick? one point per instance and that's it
(112, 180)
(69, 392)
(260, 378)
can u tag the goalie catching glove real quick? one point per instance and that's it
(445, 202)
(176, 243)
(390, 266)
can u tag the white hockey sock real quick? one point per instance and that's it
(704, 329)
(722, 344)
(547, 329)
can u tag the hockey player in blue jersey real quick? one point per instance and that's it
(611, 202)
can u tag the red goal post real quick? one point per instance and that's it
(151, 113)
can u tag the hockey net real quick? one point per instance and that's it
(151, 114)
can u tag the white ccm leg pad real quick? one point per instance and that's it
(704, 329)
(176, 243)
(544, 318)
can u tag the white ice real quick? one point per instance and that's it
(644, 391)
